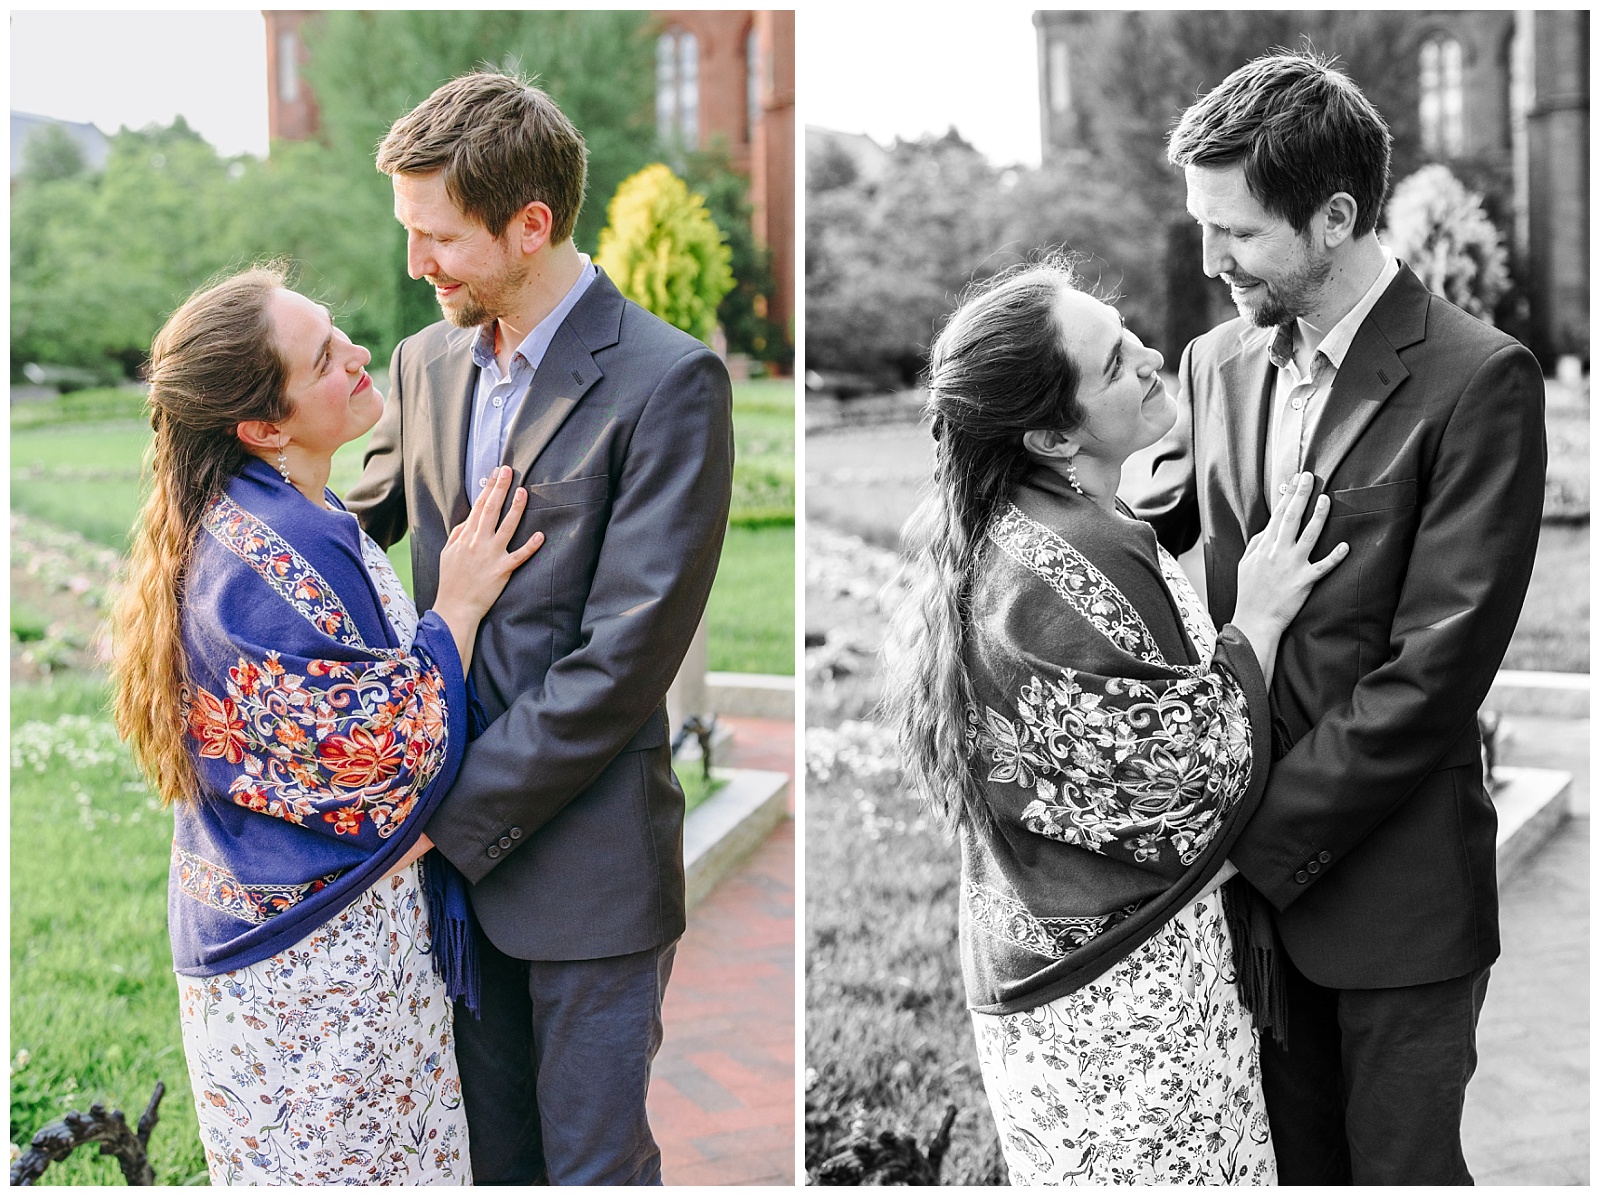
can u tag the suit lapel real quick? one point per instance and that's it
(452, 377)
(1246, 395)
(565, 375)
(1371, 371)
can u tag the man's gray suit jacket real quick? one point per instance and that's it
(1375, 840)
(566, 817)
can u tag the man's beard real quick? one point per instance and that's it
(1289, 298)
(485, 302)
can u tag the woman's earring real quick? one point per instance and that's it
(283, 467)
(1072, 477)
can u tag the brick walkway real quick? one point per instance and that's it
(722, 1095)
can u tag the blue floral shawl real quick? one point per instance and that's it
(1119, 758)
(322, 745)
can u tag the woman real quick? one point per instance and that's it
(280, 691)
(1064, 703)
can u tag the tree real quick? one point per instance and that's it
(1441, 231)
(51, 153)
(664, 251)
(743, 311)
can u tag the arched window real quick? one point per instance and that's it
(288, 67)
(678, 87)
(752, 84)
(1058, 79)
(1443, 126)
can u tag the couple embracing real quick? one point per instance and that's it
(427, 874)
(1228, 900)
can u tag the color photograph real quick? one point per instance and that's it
(403, 628)
(1196, 598)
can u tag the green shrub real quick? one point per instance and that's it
(664, 251)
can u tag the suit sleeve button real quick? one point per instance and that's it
(505, 843)
(1300, 877)
(515, 832)
(494, 853)
(1325, 858)
(1313, 867)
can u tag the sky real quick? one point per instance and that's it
(137, 68)
(906, 70)
(884, 70)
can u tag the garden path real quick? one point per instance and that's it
(722, 1095)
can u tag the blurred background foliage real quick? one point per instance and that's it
(890, 248)
(99, 259)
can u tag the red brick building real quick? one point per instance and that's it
(722, 76)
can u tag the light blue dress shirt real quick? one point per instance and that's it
(498, 396)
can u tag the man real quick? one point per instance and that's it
(566, 818)
(1375, 840)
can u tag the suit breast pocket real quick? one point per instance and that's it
(1371, 500)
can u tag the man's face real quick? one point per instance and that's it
(475, 275)
(1273, 272)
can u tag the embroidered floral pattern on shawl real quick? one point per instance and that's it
(1004, 917)
(213, 885)
(294, 578)
(1069, 573)
(1116, 764)
(349, 741)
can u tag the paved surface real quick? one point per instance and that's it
(722, 1094)
(1527, 1114)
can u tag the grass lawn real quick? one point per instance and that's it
(888, 1037)
(93, 1000)
(750, 616)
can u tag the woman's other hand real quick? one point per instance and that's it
(476, 563)
(418, 849)
(1276, 572)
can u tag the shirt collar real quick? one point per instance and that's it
(533, 346)
(1340, 337)
(1280, 342)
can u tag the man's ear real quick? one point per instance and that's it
(1340, 215)
(259, 434)
(531, 228)
(1047, 442)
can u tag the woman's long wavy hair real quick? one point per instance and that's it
(998, 369)
(214, 363)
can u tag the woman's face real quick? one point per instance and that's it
(1126, 407)
(332, 400)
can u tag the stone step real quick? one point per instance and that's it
(752, 695)
(722, 831)
(1531, 803)
(1554, 695)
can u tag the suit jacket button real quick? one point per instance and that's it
(1300, 877)
(515, 832)
(494, 853)
(505, 843)
(1313, 867)
(1325, 858)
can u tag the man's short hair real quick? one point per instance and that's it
(1303, 132)
(500, 143)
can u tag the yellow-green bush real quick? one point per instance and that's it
(663, 250)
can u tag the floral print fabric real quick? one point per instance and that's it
(1147, 1075)
(334, 1061)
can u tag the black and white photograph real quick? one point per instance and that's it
(1196, 598)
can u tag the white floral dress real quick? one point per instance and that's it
(1149, 1074)
(333, 1062)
